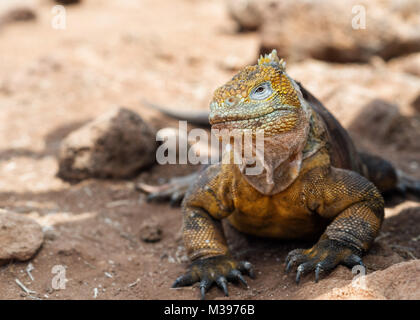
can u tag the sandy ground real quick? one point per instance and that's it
(114, 53)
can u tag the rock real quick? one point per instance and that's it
(387, 115)
(20, 237)
(115, 145)
(332, 30)
(17, 10)
(398, 282)
(381, 255)
(416, 103)
(246, 13)
(388, 275)
(151, 231)
(409, 64)
(382, 112)
(67, 2)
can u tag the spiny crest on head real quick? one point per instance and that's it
(272, 60)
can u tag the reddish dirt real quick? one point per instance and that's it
(114, 53)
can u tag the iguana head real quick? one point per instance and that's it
(264, 98)
(259, 97)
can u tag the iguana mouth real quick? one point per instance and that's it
(218, 119)
(214, 119)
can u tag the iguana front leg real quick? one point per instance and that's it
(204, 239)
(357, 210)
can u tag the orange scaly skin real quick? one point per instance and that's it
(331, 198)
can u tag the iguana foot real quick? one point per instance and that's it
(323, 256)
(174, 190)
(218, 269)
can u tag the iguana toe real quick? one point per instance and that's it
(219, 270)
(323, 256)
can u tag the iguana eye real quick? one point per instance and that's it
(262, 91)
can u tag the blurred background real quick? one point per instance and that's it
(64, 63)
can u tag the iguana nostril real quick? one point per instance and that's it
(231, 101)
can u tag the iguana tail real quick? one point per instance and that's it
(407, 184)
(386, 177)
(199, 118)
(174, 190)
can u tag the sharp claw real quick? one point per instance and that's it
(251, 272)
(236, 275)
(360, 262)
(317, 272)
(203, 293)
(204, 285)
(222, 283)
(183, 280)
(300, 271)
(177, 282)
(292, 256)
(354, 260)
(242, 279)
(247, 266)
(289, 266)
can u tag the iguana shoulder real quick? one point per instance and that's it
(342, 151)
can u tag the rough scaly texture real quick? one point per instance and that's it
(333, 193)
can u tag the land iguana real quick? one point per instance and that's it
(314, 183)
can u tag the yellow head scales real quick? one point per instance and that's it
(269, 68)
